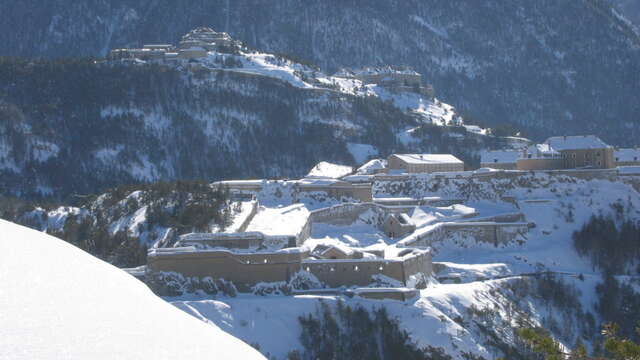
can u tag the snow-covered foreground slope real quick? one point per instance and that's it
(58, 302)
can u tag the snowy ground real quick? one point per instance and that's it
(59, 302)
(288, 220)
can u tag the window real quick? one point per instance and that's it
(598, 154)
(599, 163)
(495, 160)
(617, 159)
(635, 158)
(573, 156)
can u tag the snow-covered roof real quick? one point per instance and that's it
(405, 219)
(629, 154)
(544, 148)
(318, 181)
(561, 143)
(83, 306)
(372, 165)
(542, 151)
(499, 156)
(193, 48)
(329, 170)
(157, 46)
(342, 248)
(429, 158)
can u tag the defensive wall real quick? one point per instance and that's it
(239, 240)
(486, 232)
(362, 272)
(335, 189)
(246, 270)
(254, 210)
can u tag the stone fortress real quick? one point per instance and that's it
(562, 152)
(193, 45)
(396, 78)
(256, 253)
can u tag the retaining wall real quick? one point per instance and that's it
(361, 272)
(487, 232)
(244, 270)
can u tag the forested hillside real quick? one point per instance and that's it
(526, 63)
(78, 127)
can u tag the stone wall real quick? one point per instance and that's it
(470, 184)
(240, 240)
(244, 270)
(540, 164)
(485, 232)
(361, 192)
(362, 272)
(399, 294)
(596, 158)
(499, 166)
(254, 210)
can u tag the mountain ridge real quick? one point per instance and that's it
(520, 63)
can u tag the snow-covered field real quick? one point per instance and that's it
(58, 302)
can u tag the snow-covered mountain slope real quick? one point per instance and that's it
(60, 302)
(549, 67)
(226, 116)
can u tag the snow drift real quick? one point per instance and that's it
(60, 302)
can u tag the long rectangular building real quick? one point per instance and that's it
(425, 163)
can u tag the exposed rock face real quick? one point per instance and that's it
(549, 67)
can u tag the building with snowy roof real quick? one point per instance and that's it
(195, 44)
(500, 159)
(627, 157)
(371, 167)
(398, 225)
(425, 163)
(558, 152)
(206, 38)
(584, 151)
(540, 157)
